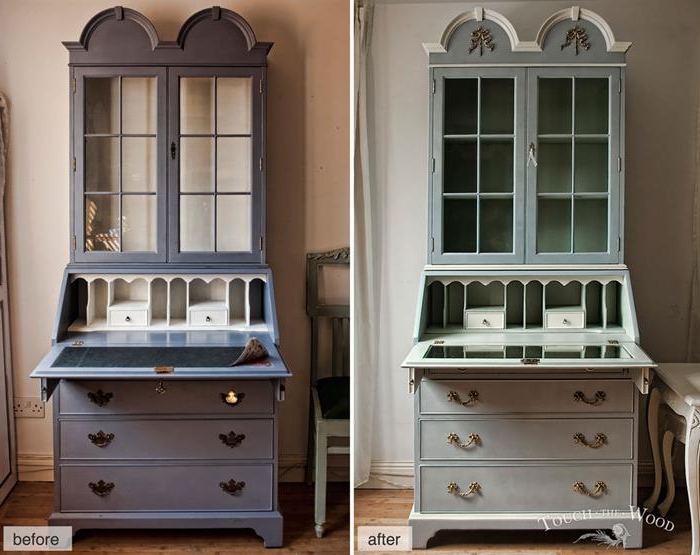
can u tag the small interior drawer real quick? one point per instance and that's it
(564, 319)
(484, 319)
(127, 317)
(208, 317)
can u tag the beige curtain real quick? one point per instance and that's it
(694, 318)
(365, 298)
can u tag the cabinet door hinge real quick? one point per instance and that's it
(261, 86)
(262, 242)
(260, 161)
(619, 86)
(74, 85)
(75, 242)
(619, 164)
(432, 244)
(619, 244)
(432, 87)
(74, 164)
(433, 165)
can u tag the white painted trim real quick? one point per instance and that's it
(574, 14)
(520, 267)
(516, 45)
(529, 65)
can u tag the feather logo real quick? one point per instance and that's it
(619, 536)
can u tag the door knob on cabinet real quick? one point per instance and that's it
(600, 439)
(599, 489)
(598, 399)
(453, 438)
(232, 398)
(453, 397)
(231, 487)
(101, 488)
(474, 487)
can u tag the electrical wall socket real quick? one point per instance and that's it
(29, 407)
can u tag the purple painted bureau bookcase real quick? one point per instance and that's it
(154, 424)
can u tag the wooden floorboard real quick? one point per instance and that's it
(30, 503)
(384, 507)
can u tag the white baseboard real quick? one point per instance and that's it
(38, 467)
(386, 474)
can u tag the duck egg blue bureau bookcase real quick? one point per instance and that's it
(154, 427)
(526, 369)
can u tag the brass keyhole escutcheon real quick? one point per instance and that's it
(161, 388)
(232, 398)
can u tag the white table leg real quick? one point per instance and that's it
(692, 451)
(668, 471)
(653, 426)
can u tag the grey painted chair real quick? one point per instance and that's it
(329, 414)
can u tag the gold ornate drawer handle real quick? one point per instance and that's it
(600, 439)
(474, 487)
(453, 397)
(231, 487)
(599, 489)
(99, 397)
(599, 398)
(232, 439)
(101, 488)
(453, 438)
(232, 398)
(101, 439)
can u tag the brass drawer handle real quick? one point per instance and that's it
(101, 439)
(599, 398)
(231, 487)
(232, 439)
(232, 398)
(101, 488)
(474, 487)
(99, 397)
(453, 397)
(453, 438)
(600, 439)
(600, 489)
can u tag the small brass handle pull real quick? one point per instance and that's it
(99, 397)
(127, 319)
(101, 439)
(231, 487)
(566, 321)
(599, 489)
(101, 488)
(474, 487)
(453, 397)
(485, 322)
(208, 319)
(453, 438)
(232, 439)
(232, 398)
(599, 398)
(600, 439)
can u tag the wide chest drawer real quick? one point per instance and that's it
(167, 439)
(568, 438)
(180, 397)
(525, 396)
(525, 488)
(166, 488)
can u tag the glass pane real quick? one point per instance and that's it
(196, 164)
(139, 112)
(554, 106)
(102, 105)
(102, 223)
(102, 164)
(197, 223)
(139, 164)
(233, 158)
(233, 105)
(592, 105)
(554, 167)
(139, 223)
(554, 225)
(459, 227)
(497, 105)
(196, 105)
(233, 223)
(460, 166)
(496, 225)
(591, 166)
(590, 225)
(496, 166)
(461, 98)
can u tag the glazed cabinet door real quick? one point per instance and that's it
(119, 149)
(216, 165)
(573, 166)
(477, 166)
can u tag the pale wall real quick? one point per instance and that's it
(308, 172)
(662, 86)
